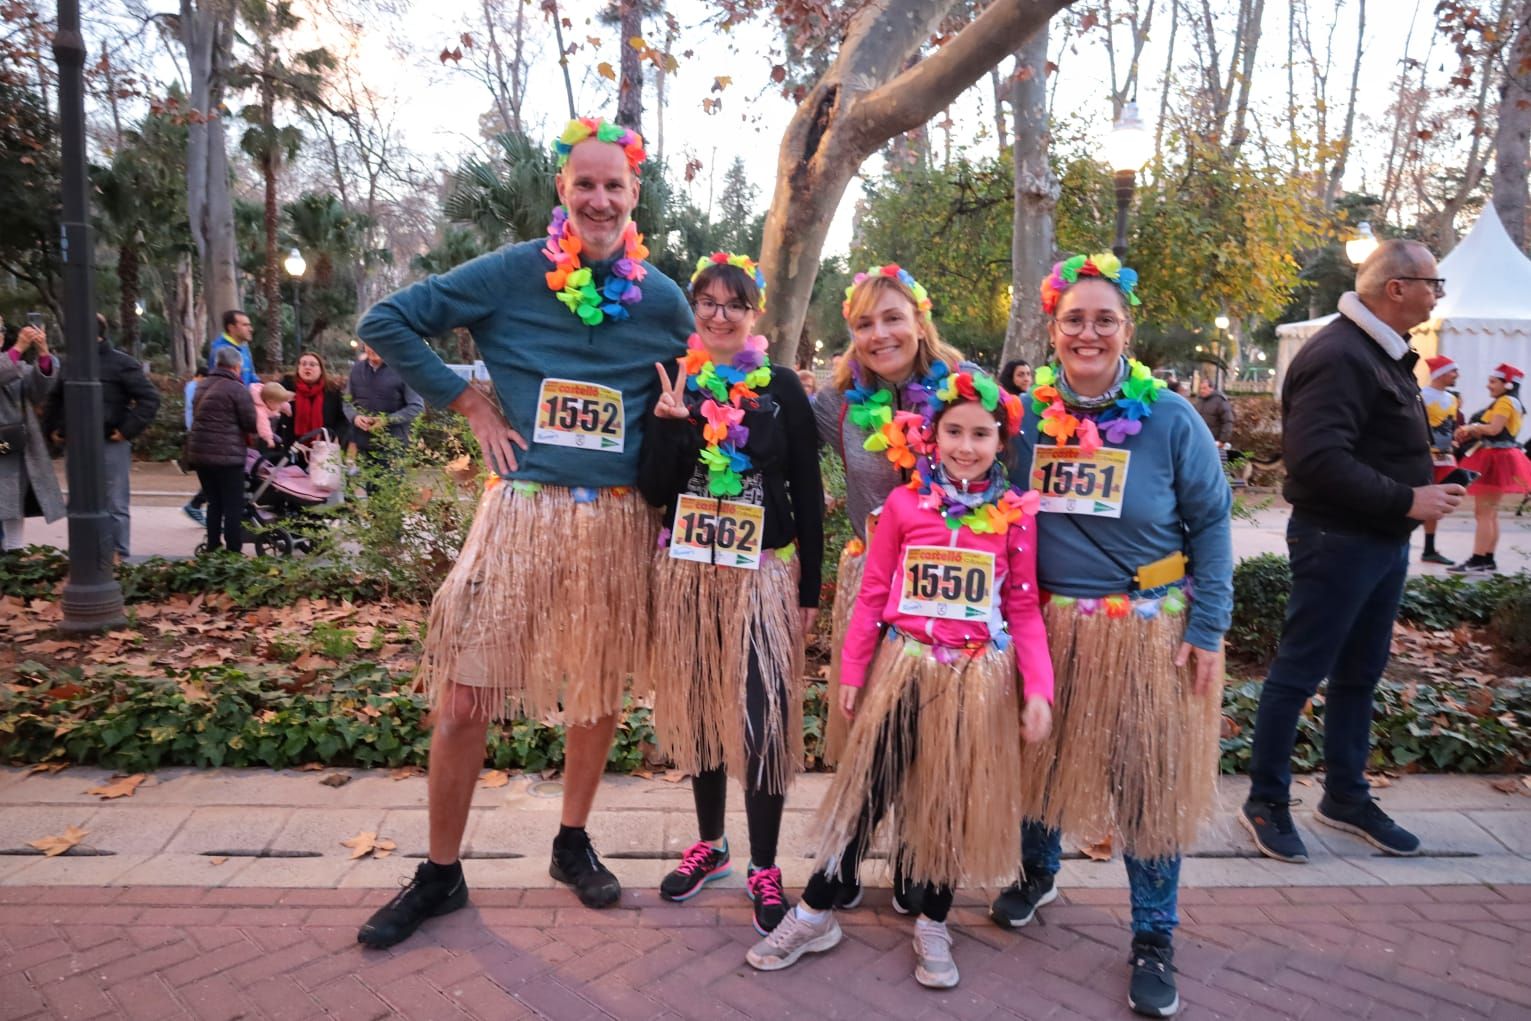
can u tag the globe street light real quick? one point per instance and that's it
(1128, 147)
(294, 265)
(1362, 245)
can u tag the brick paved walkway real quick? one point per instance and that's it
(1327, 952)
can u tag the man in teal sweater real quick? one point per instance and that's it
(546, 608)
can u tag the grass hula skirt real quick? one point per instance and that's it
(853, 563)
(1132, 751)
(548, 603)
(708, 622)
(938, 743)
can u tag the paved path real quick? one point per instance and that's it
(165, 953)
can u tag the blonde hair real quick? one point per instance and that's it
(931, 348)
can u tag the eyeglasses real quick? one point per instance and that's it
(1105, 326)
(734, 311)
(1437, 284)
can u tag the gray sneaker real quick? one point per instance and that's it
(791, 939)
(933, 964)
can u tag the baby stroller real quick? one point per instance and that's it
(277, 489)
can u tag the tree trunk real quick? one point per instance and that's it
(1036, 195)
(186, 318)
(1337, 172)
(630, 83)
(857, 106)
(207, 32)
(1512, 137)
(127, 298)
(271, 284)
(1001, 129)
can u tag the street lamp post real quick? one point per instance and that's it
(295, 266)
(1128, 147)
(92, 599)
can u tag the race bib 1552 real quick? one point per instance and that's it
(583, 415)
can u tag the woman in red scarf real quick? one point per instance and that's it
(318, 402)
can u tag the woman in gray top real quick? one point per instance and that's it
(895, 356)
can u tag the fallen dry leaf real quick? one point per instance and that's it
(494, 778)
(672, 776)
(218, 859)
(1098, 851)
(57, 844)
(1511, 785)
(365, 843)
(405, 772)
(309, 767)
(336, 780)
(123, 787)
(48, 767)
(1379, 780)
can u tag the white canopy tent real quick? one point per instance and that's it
(1484, 319)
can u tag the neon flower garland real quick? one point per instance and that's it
(574, 284)
(1005, 505)
(729, 386)
(898, 434)
(1121, 419)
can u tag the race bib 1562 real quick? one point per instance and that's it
(1071, 482)
(727, 532)
(954, 584)
(584, 415)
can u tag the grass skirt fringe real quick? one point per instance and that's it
(936, 750)
(548, 602)
(1132, 751)
(708, 621)
(847, 587)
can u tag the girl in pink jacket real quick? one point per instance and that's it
(947, 613)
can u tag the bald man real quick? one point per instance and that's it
(1357, 449)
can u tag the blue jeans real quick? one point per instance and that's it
(1154, 882)
(1339, 625)
(118, 461)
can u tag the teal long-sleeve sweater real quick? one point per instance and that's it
(525, 335)
(1176, 498)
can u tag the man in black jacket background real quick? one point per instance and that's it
(129, 402)
(1357, 450)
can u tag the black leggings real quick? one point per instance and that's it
(824, 889)
(225, 489)
(762, 810)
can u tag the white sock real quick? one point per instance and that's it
(809, 915)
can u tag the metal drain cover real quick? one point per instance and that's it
(546, 789)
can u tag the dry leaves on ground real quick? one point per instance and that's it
(1512, 784)
(405, 772)
(494, 778)
(1098, 851)
(336, 780)
(120, 787)
(48, 767)
(218, 859)
(58, 843)
(365, 843)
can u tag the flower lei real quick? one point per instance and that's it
(1121, 418)
(898, 434)
(896, 272)
(1005, 506)
(582, 128)
(729, 386)
(574, 284)
(743, 262)
(1104, 265)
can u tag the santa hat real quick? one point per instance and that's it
(1507, 372)
(1439, 366)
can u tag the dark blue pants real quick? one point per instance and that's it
(1154, 882)
(1339, 625)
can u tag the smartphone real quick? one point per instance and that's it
(35, 319)
(1460, 477)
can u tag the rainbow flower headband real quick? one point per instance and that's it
(743, 262)
(895, 272)
(583, 128)
(1104, 265)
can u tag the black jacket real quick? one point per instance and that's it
(129, 401)
(1355, 438)
(222, 416)
(783, 448)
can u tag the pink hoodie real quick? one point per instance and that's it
(903, 524)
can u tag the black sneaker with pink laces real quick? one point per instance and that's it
(700, 865)
(766, 896)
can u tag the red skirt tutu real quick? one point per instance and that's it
(1500, 469)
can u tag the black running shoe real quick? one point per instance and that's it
(766, 896)
(1152, 992)
(1270, 823)
(849, 897)
(700, 865)
(1017, 904)
(426, 896)
(908, 898)
(1369, 822)
(581, 868)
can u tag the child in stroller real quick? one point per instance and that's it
(277, 489)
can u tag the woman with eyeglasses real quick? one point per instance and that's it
(1135, 567)
(731, 455)
(1494, 453)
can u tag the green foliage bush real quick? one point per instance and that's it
(33, 572)
(1261, 586)
(1440, 603)
(248, 581)
(1512, 625)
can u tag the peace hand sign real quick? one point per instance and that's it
(672, 396)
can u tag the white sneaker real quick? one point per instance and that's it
(792, 938)
(933, 964)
